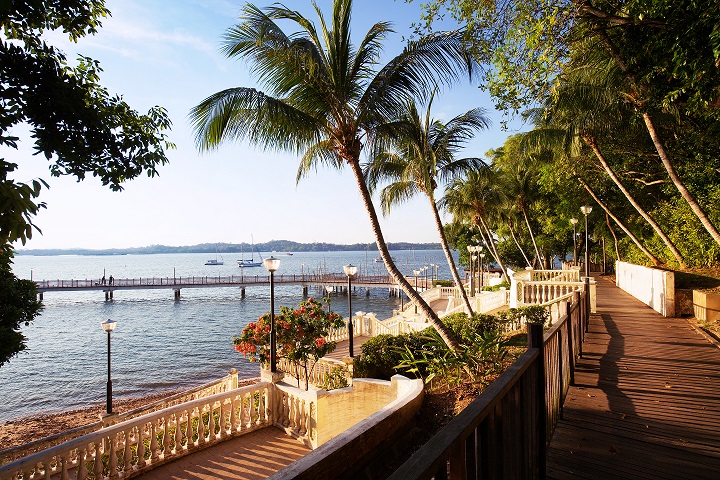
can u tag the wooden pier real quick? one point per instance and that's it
(332, 280)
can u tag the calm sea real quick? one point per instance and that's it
(158, 344)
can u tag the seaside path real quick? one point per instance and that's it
(646, 399)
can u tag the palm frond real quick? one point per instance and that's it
(397, 193)
(322, 153)
(246, 114)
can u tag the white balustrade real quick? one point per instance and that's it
(123, 449)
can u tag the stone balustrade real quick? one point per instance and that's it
(210, 388)
(123, 450)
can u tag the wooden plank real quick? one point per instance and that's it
(645, 401)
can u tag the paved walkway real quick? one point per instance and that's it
(646, 400)
(256, 455)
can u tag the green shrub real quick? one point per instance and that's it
(381, 355)
(466, 328)
(336, 378)
(443, 283)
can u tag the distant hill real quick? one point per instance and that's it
(271, 246)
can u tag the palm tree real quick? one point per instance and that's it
(326, 98)
(475, 199)
(424, 155)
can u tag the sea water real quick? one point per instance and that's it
(160, 344)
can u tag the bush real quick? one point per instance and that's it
(381, 355)
(336, 378)
(443, 283)
(466, 328)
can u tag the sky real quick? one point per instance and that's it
(166, 52)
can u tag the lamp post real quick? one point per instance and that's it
(350, 271)
(586, 209)
(272, 264)
(109, 326)
(470, 250)
(574, 222)
(482, 275)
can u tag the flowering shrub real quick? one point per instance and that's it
(300, 335)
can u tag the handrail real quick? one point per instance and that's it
(152, 439)
(484, 441)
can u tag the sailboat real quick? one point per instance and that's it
(243, 263)
(215, 261)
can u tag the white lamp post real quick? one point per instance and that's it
(574, 222)
(272, 264)
(109, 326)
(586, 209)
(350, 271)
(482, 274)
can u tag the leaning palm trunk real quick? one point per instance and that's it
(532, 236)
(652, 257)
(445, 333)
(591, 141)
(517, 243)
(667, 163)
(448, 255)
(612, 231)
(491, 246)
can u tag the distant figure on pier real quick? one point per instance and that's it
(111, 279)
(102, 280)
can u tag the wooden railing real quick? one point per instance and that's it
(504, 432)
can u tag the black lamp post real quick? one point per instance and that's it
(586, 209)
(109, 326)
(350, 271)
(272, 264)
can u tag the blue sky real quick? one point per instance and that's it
(167, 53)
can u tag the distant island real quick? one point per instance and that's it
(283, 246)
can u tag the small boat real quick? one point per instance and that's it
(214, 261)
(243, 263)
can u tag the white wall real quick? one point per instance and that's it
(652, 286)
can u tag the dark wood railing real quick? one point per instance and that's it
(505, 431)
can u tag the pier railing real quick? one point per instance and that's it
(198, 281)
(504, 432)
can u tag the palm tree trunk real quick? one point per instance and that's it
(612, 231)
(512, 233)
(448, 255)
(652, 257)
(592, 142)
(667, 163)
(532, 236)
(445, 333)
(491, 246)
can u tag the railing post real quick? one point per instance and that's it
(535, 340)
(570, 349)
(587, 304)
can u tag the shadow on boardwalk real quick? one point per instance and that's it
(646, 400)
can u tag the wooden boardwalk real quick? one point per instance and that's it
(646, 400)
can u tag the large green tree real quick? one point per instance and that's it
(425, 156)
(326, 97)
(73, 121)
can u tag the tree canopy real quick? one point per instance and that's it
(74, 122)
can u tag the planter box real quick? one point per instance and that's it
(706, 306)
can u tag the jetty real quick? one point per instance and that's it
(332, 280)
